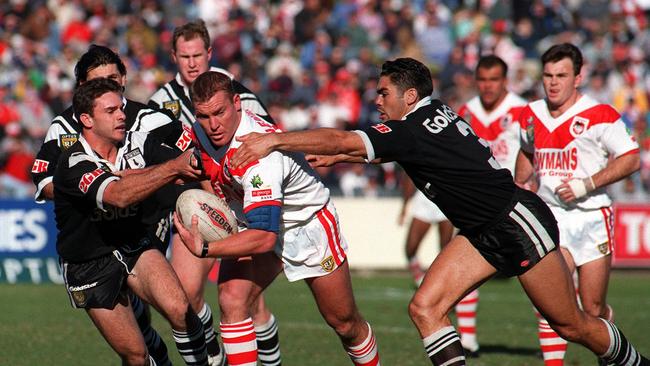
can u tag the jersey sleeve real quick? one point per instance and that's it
(525, 119)
(82, 180)
(387, 141)
(262, 185)
(47, 159)
(157, 151)
(617, 141)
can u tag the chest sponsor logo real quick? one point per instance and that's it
(40, 166)
(382, 128)
(256, 181)
(184, 141)
(327, 264)
(442, 118)
(578, 126)
(262, 194)
(173, 106)
(88, 179)
(67, 140)
(134, 159)
(562, 162)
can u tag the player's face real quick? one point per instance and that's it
(219, 116)
(492, 86)
(191, 57)
(560, 84)
(390, 102)
(109, 71)
(108, 119)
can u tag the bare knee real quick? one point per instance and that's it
(234, 303)
(423, 310)
(347, 325)
(595, 308)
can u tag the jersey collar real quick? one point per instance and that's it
(421, 103)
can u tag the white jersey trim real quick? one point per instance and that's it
(370, 150)
(476, 108)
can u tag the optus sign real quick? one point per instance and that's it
(28, 243)
(632, 235)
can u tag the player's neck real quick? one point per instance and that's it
(491, 107)
(106, 149)
(559, 110)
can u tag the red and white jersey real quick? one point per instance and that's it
(281, 179)
(500, 127)
(577, 144)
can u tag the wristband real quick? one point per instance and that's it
(580, 187)
(204, 250)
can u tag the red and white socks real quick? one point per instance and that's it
(240, 342)
(466, 315)
(365, 353)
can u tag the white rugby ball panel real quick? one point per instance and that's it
(216, 221)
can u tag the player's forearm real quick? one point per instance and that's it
(322, 141)
(523, 168)
(138, 185)
(242, 244)
(48, 192)
(617, 169)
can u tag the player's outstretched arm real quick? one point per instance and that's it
(318, 161)
(245, 243)
(141, 183)
(321, 141)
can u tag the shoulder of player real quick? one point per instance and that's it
(145, 114)
(600, 113)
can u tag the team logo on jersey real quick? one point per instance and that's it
(173, 106)
(134, 159)
(327, 264)
(184, 141)
(578, 126)
(604, 248)
(88, 179)
(67, 140)
(79, 298)
(256, 181)
(40, 166)
(382, 128)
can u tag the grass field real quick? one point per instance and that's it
(38, 326)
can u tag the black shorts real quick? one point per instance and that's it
(100, 282)
(521, 238)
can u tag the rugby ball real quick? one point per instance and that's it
(216, 220)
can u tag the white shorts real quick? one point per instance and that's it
(425, 210)
(587, 235)
(314, 249)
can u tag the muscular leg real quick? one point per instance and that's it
(593, 280)
(239, 287)
(458, 269)
(120, 329)
(155, 281)
(550, 286)
(341, 313)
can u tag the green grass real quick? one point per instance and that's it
(38, 326)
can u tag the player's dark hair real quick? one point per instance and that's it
(208, 84)
(93, 58)
(84, 96)
(490, 61)
(408, 73)
(561, 51)
(192, 30)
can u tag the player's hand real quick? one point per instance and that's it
(573, 189)
(254, 147)
(321, 161)
(191, 238)
(187, 167)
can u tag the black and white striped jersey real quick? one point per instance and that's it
(65, 131)
(87, 227)
(175, 97)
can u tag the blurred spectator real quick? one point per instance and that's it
(16, 161)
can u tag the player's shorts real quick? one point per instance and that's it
(519, 238)
(314, 249)
(587, 235)
(100, 282)
(424, 210)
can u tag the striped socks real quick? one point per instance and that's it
(365, 353)
(268, 343)
(443, 347)
(239, 342)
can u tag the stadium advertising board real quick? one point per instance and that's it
(27, 243)
(632, 235)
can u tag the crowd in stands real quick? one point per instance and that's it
(315, 63)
